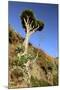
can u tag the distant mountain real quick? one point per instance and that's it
(43, 68)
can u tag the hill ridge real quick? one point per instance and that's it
(43, 71)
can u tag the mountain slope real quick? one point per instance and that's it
(42, 69)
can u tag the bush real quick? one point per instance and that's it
(55, 79)
(37, 83)
(34, 82)
(23, 59)
(19, 48)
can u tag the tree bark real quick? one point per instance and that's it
(26, 42)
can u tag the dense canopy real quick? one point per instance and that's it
(30, 19)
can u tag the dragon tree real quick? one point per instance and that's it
(30, 25)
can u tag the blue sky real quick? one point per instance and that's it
(47, 39)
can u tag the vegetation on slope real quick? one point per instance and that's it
(42, 69)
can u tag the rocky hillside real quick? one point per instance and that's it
(42, 69)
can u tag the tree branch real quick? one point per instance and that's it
(31, 23)
(25, 22)
(27, 19)
(33, 30)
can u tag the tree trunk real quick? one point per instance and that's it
(26, 42)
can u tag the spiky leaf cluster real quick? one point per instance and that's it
(31, 20)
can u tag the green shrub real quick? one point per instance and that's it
(23, 59)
